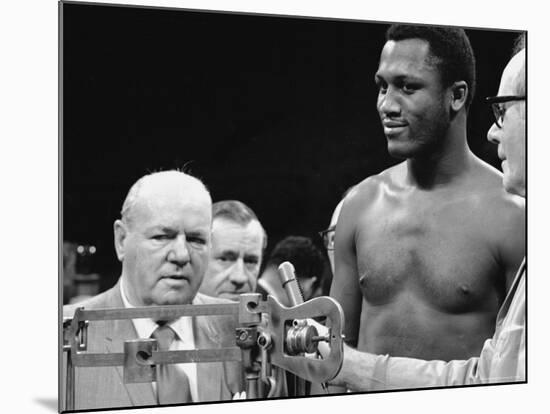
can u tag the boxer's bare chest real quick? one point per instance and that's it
(435, 249)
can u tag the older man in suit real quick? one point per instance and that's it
(162, 240)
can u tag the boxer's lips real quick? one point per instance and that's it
(388, 123)
(392, 127)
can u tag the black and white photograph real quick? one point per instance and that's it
(350, 171)
(266, 208)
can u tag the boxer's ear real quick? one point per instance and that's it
(459, 94)
(120, 233)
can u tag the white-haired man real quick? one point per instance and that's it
(162, 240)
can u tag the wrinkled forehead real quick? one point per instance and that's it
(230, 231)
(172, 205)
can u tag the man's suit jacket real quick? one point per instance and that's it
(103, 387)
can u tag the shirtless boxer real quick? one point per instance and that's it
(426, 250)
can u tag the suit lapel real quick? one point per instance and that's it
(120, 331)
(209, 375)
(213, 386)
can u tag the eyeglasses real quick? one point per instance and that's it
(499, 109)
(328, 237)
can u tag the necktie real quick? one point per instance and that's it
(172, 383)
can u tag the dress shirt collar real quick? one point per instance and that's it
(145, 327)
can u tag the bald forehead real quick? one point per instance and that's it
(336, 213)
(513, 76)
(162, 184)
(168, 191)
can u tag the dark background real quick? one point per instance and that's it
(277, 112)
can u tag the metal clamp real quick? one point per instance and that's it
(267, 333)
(301, 338)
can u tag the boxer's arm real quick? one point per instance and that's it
(345, 283)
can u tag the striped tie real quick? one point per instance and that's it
(172, 383)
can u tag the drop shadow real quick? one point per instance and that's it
(49, 403)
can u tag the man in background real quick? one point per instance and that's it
(309, 265)
(310, 271)
(328, 235)
(238, 243)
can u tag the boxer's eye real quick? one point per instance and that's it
(382, 87)
(409, 88)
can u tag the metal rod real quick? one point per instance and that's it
(98, 360)
(288, 279)
(198, 355)
(157, 312)
(70, 385)
(161, 357)
(290, 284)
(252, 378)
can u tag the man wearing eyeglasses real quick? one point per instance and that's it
(308, 263)
(502, 358)
(328, 234)
(427, 249)
(508, 108)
